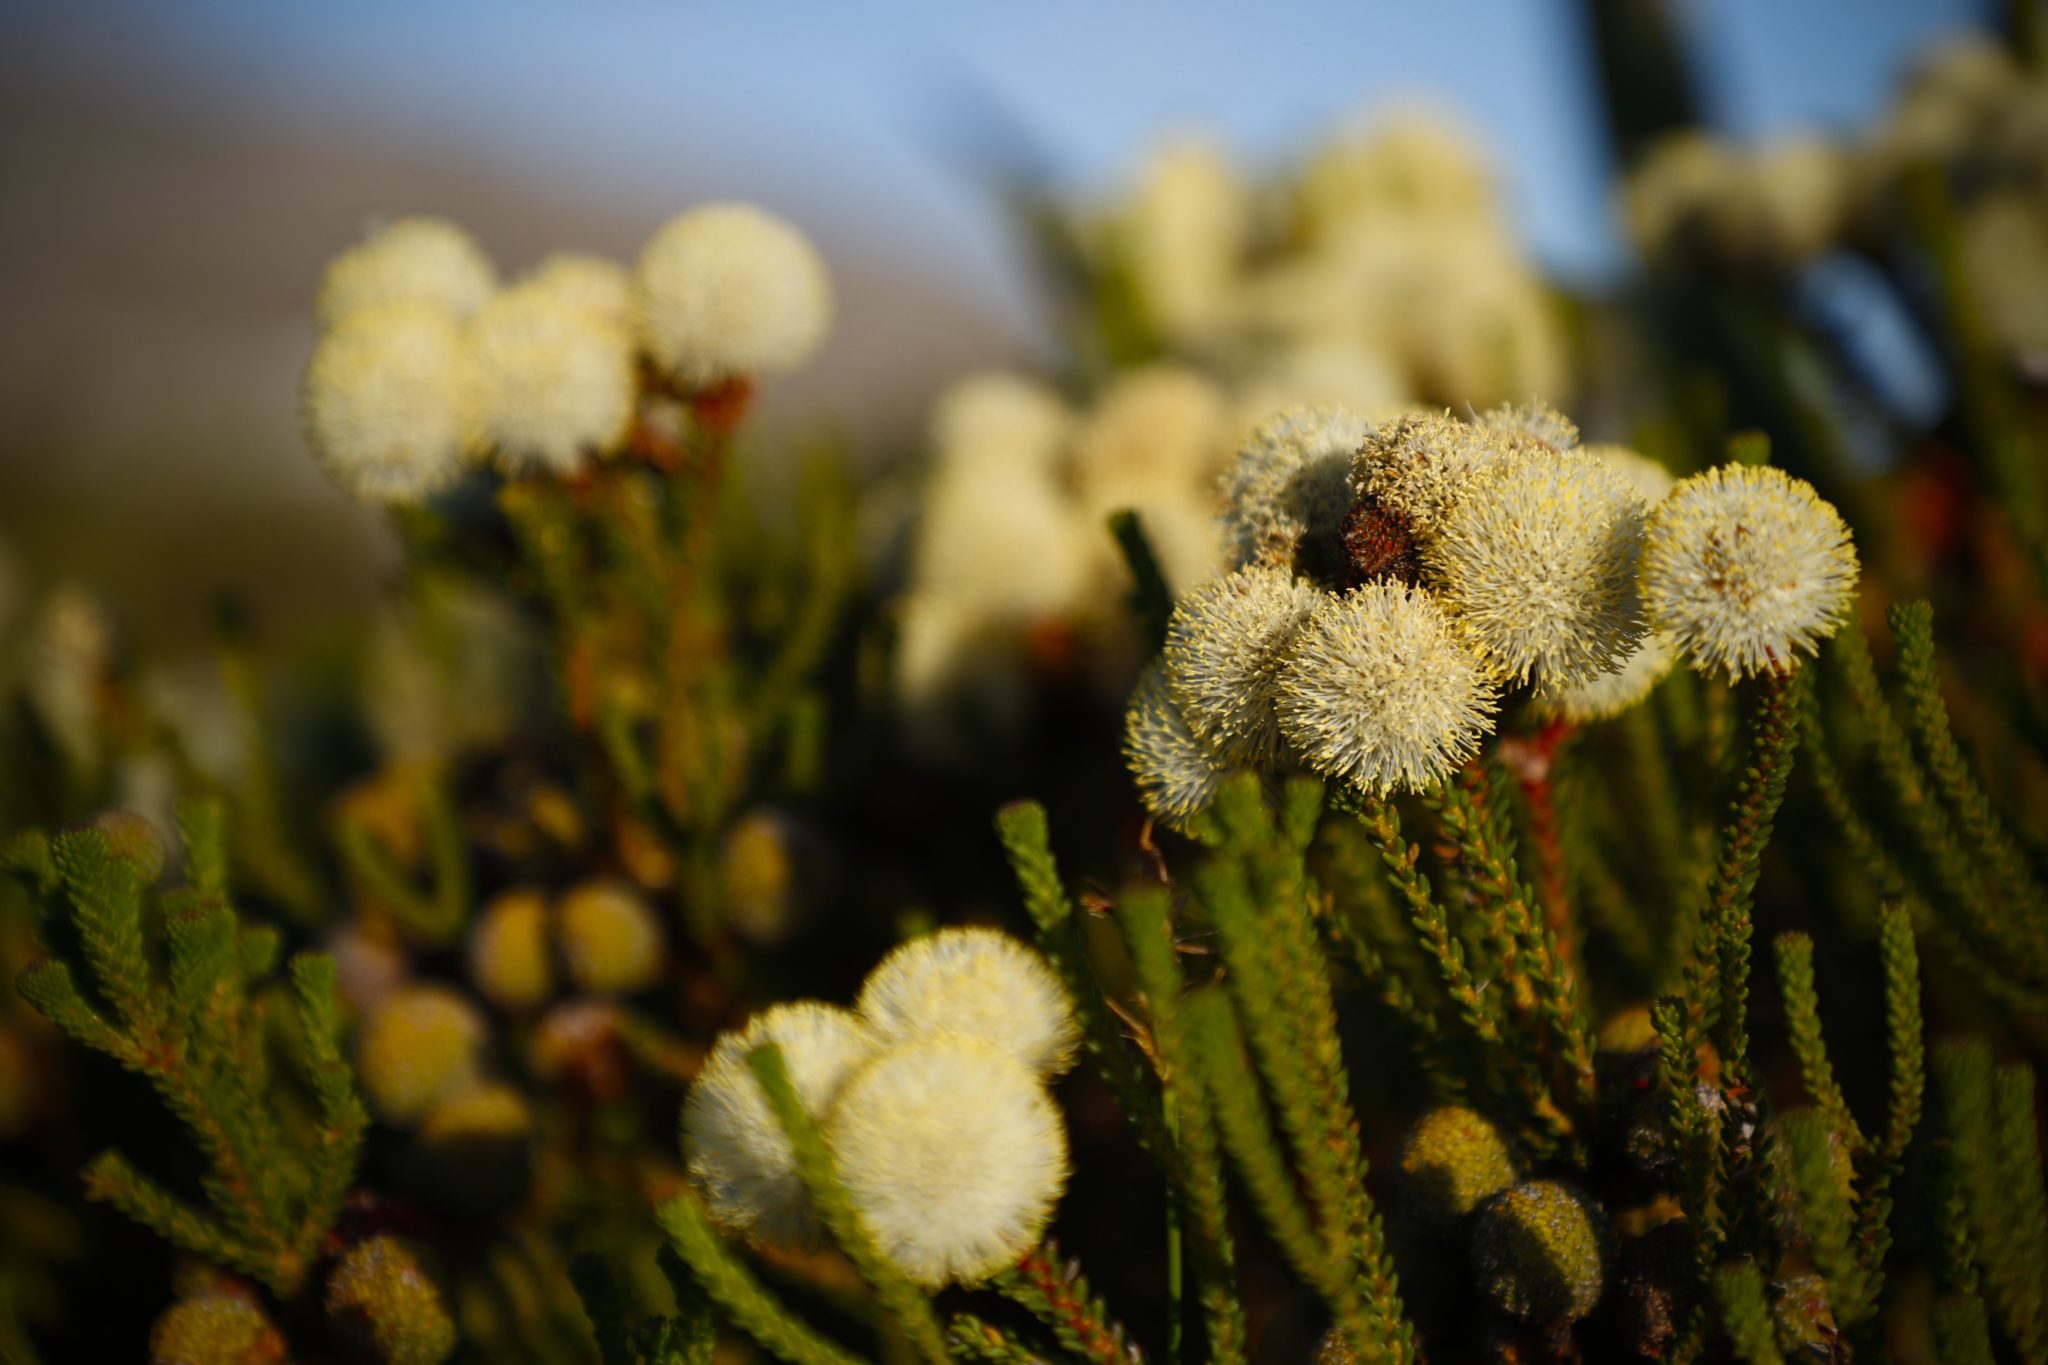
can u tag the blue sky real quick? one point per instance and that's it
(846, 112)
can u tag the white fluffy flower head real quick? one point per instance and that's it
(593, 283)
(1745, 567)
(1609, 694)
(389, 402)
(1381, 692)
(732, 1141)
(1649, 478)
(1225, 646)
(1419, 466)
(429, 261)
(977, 983)
(954, 1155)
(1175, 772)
(554, 380)
(728, 291)
(1000, 418)
(1290, 485)
(1534, 421)
(1537, 565)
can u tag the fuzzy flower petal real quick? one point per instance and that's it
(1382, 693)
(1745, 567)
(1224, 649)
(978, 983)
(954, 1155)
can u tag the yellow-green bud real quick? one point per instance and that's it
(1453, 1161)
(382, 1300)
(760, 868)
(418, 1044)
(508, 950)
(214, 1329)
(611, 939)
(1538, 1251)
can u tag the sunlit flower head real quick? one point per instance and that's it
(419, 1044)
(1225, 646)
(1744, 567)
(1180, 235)
(979, 983)
(1002, 418)
(426, 261)
(1001, 542)
(1154, 430)
(554, 381)
(1286, 493)
(1380, 691)
(595, 284)
(1609, 694)
(732, 1141)
(1650, 479)
(509, 959)
(1535, 421)
(1419, 466)
(727, 291)
(1176, 774)
(389, 402)
(610, 937)
(1537, 565)
(954, 1155)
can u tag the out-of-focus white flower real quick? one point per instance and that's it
(1002, 419)
(1154, 430)
(1180, 236)
(593, 283)
(727, 291)
(389, 402)
(977, 983)
(554, 381)
(426, 261)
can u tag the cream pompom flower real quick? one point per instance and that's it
(1534, 421)
(1381, 692)
(1290, 486)
(427, 261)
(554, 380)
(1745, 567)
(1000, 418)
(1609, 694)
(954, 1155)
(732, 1142)
(1225, 646)
(1176, 773)
(1154, 430)
(1537, 566)
(1420, 466)
(977, 983)
(389, 402)
(727, 291)
(594, 284)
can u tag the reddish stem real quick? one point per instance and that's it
(1531, 758)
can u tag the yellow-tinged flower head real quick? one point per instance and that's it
(610, 937)
(215, 1328)
(1381, 692)
(594, 284)
(1154, 430)
(1225, 646)
(555, 381)
(1286, 493)
(1001, 544)
(1452, 1161)
(381, 1299)
(728, 291)
(389, 402)
(1536, 563)
(1744, 567)
(954, 1155)
(1539, 1252)
(1421, 465)
(1176, 773)
(509, 961)
(762, 866)
(427, 261)
(1605, 695)
(1180, 237)
(977, 983)
(419, 1044)
(1534, 421)
(1649, 478)
(999, 417)
(488, 1110)
(732, 1142)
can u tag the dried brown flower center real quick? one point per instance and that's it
(1378, 545)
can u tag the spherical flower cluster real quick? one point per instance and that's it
(977, 983)
(390, 401)
(1290, 486)
(1745, 567)
(554, 379)
(419, 1044)
(932, 1098)
(1421, 465)
(215, 1328)
(1177, 774)
(1537, 564)
(381, 1298)
(427, 261)
(725, 291)
(1539, 1252)
(953, 1153)
(611, 939)
(1380, 692)
(1225, 646)
(1453, 1161)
